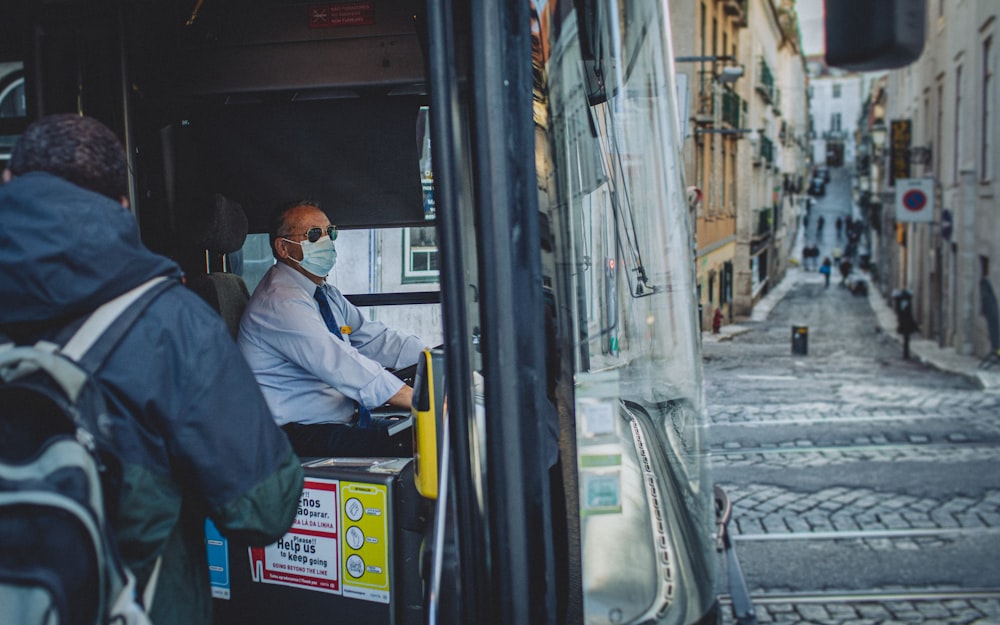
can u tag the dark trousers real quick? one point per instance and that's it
(336, 440)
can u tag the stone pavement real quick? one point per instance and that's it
(925, 350)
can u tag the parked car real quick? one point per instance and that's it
(817, 186)
(824, 173)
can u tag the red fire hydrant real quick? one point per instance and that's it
(717, 321)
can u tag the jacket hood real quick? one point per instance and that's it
(65, 250)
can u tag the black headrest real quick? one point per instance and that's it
(223, 228)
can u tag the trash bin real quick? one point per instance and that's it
(800, 340)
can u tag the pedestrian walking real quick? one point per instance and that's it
(825, 270)
(819, 224)
(845, 270)
(839, 224)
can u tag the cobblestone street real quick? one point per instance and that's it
(865, 486)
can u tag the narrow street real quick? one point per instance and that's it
(866, 486)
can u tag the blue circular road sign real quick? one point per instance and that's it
(915, 200)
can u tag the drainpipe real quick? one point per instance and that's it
(967, 269)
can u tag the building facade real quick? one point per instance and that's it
(942, 127)
(835, 104)
(766, 219)
(706, 36)
(740, 64)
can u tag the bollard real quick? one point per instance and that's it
(800, 340)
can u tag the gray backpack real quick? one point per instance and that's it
(59, 562)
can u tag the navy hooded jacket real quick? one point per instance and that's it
(193, 431)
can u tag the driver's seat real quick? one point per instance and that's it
(222, 234)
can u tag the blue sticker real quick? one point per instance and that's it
(218, 561)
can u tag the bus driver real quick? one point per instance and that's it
(320, 363)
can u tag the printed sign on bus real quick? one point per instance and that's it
(308, 556)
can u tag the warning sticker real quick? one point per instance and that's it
(308, 556)
(366, 529)
(341, 14)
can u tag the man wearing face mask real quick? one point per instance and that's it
(320, 363)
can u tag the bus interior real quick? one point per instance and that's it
(507, 174)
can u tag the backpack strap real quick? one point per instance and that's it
(91, 344)
(150, 592)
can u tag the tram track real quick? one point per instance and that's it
(975, 605)
(947, 532)
(862, 493)
(867, 448)
(900, 574)
(921, 585)
(846, 420)
(833, 596)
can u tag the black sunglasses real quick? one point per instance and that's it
(314, 234)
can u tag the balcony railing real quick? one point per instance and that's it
(765, 82)
(732, 105)
(766, 150)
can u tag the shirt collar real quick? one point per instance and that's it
(307, 285)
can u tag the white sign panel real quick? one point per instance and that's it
(308, 556)
(914, 200)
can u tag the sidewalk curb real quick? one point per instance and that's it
(726, 333)
(929, 352)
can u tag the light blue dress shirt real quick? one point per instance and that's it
(308, 374)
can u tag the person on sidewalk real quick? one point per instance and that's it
(825, 270)
(845, 270)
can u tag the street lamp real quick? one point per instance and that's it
(729, 74)
(878, 134)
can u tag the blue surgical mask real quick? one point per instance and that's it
(317, 258)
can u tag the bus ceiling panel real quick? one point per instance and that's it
(268, 45)
(358, 158)
(356, 64)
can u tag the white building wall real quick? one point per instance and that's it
(951, 95)
(834, 93)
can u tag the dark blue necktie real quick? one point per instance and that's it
(364, 415)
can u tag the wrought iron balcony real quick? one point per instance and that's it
(765, 82)
(766, 150)
(732, 106)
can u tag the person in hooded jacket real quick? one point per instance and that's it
(193, 432)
